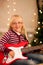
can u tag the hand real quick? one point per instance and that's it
(11, 53)
(41, 49)
(29, 45)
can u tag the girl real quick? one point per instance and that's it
(15, 35)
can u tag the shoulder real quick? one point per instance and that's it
(24, 37)
(7, 33)
(10, 32)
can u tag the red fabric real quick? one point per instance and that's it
(1, 56)
(8, 45)
(24, 43)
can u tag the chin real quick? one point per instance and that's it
(18, 30)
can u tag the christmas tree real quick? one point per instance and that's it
(38, 36)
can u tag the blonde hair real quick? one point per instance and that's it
(23, 30)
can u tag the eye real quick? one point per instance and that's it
(19, 22)
(14, 23)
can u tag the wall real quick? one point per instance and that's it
(26, 8)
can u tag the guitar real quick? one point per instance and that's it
(18, 49)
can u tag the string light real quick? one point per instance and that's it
(29, 45)
(38, 22)
(36, 32)
(39, 28)
(8, 12)
(34, 40)
(40, 11)
(8, 6)
(8, 24)
(34, 13)
(8, 19)
(30, 35)
(14, 9)
(33, 20)
(40, 41)
(7, 0)
(14, 3)
(42, 22)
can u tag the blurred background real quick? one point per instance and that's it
(32, 13)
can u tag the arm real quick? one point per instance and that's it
(3, 40)
(29, 45)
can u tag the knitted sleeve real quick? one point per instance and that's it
(3, 40)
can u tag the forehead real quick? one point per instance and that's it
(16, 19)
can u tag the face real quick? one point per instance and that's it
(17, 24)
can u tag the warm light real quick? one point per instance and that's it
(29, 45)
(40, 41)
(36, 32)
(14, 9)
(39, 28)
(8, 12)
(34, 13)
(40, 11)
(11, 9)
(8, 6)
(30, 35)
(38, 22)
(8, 24)
(8, 19)
(33, 20)
(7, 0)
(34, 40)
(14, 3)
(42, 22)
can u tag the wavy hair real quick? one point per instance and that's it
(23, 29)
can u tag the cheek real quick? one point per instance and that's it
(21, 25)
(17, 26)
(13, 26)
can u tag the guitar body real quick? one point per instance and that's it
(17, 53)
(1, 56)
(18, 50)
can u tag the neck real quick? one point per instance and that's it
(17, 32)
